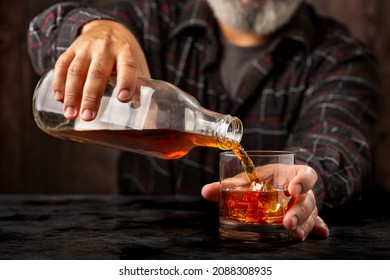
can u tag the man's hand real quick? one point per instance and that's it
(302, 218)
(82, 71)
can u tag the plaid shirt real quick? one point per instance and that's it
(312, 90)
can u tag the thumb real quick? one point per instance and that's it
(212, 191)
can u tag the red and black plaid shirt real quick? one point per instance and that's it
(312, 90)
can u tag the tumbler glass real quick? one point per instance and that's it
(254, 210)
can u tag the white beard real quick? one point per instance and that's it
(261, 17)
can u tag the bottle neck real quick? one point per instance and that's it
(229, 131)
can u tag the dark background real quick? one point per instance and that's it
(33, 162)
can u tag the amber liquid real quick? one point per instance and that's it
(244, 205)
(162, 143)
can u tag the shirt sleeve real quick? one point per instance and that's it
(52, 32)
(334, 131)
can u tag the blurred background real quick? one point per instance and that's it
(33, 162)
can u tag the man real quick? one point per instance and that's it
(297, 81)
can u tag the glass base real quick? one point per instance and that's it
(253, 232)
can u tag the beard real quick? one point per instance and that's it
(261, 17)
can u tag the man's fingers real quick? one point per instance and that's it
(127, 73)
(320, 228)
(303, 181)
(212, 191)
(60, 74)
(76, 76)
(302, 231)
(98, 74)
(304, 206)
(82, 72)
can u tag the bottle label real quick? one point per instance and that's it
(45, 100)
(115, 115)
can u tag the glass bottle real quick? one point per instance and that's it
(161, 120)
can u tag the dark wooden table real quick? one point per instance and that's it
(127, 227)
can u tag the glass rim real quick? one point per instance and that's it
(257, 153)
